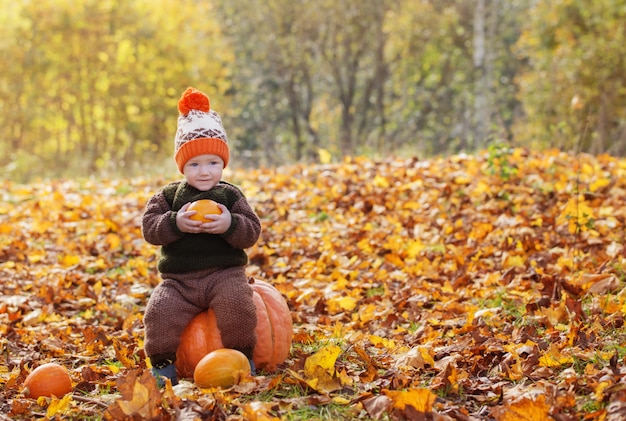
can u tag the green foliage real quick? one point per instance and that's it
(498, 161)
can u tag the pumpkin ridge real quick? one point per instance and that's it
(273, 299)
(271, 323)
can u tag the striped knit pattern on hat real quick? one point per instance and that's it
(200, 130)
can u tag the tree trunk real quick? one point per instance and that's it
(481, 72)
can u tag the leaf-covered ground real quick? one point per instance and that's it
(471, 287)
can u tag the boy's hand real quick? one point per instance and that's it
(218, 224)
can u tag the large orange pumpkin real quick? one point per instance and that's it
(274, 333)
(50, 379)
(221, 368)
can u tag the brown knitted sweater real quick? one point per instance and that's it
(182, 252)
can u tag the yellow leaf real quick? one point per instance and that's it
(384, 342)
(367, 313)
(482, 187)
(97, 287)
(414, 248)
(427, 354)
(341, 400)
(323, 360)
(480, 230)
(98, 264)
(121, 352)
(554, 358)
(36, 256)
(70, 260)
(448, 288)
(113, 240)
(598, 184)
(58, 406)
(420, 399)
(347, 303)
(577, 215)
(340, 304)
(344, 378)
(462, 180)
(380, 181)
(319, 369)
(513, 261)
(600, 389)
(325, 156)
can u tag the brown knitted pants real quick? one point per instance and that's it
(179, 297)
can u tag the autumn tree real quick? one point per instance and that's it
(93, 90)
(371, 77)
(275, 78)
(317, 71)
(573, 88)
(91, 87)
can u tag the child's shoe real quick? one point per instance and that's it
(252, 367)
(168, 371)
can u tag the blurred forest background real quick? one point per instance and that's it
(89, 87)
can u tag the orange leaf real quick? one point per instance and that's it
(259, 411)
(524, 409)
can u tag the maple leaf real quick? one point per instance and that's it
(413, 400)
(319, 369)
(140, 398)
(58, 407)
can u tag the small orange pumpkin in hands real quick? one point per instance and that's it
(221, 368)
(50, 379)
(204, 207)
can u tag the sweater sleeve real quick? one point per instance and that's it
(245, 227)
(159, 222)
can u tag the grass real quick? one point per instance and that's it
(299, 403)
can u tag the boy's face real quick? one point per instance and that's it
(204, 171)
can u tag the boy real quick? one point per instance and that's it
(202, 263)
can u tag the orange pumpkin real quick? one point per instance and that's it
(204, 207)
(221, 368)
(274, 333)
(50, 379)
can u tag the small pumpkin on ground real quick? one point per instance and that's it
(274, 333)
(50, 379)
(221, 368)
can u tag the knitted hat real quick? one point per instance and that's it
(200, 129)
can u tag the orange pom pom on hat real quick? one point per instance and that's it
(199, 131)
